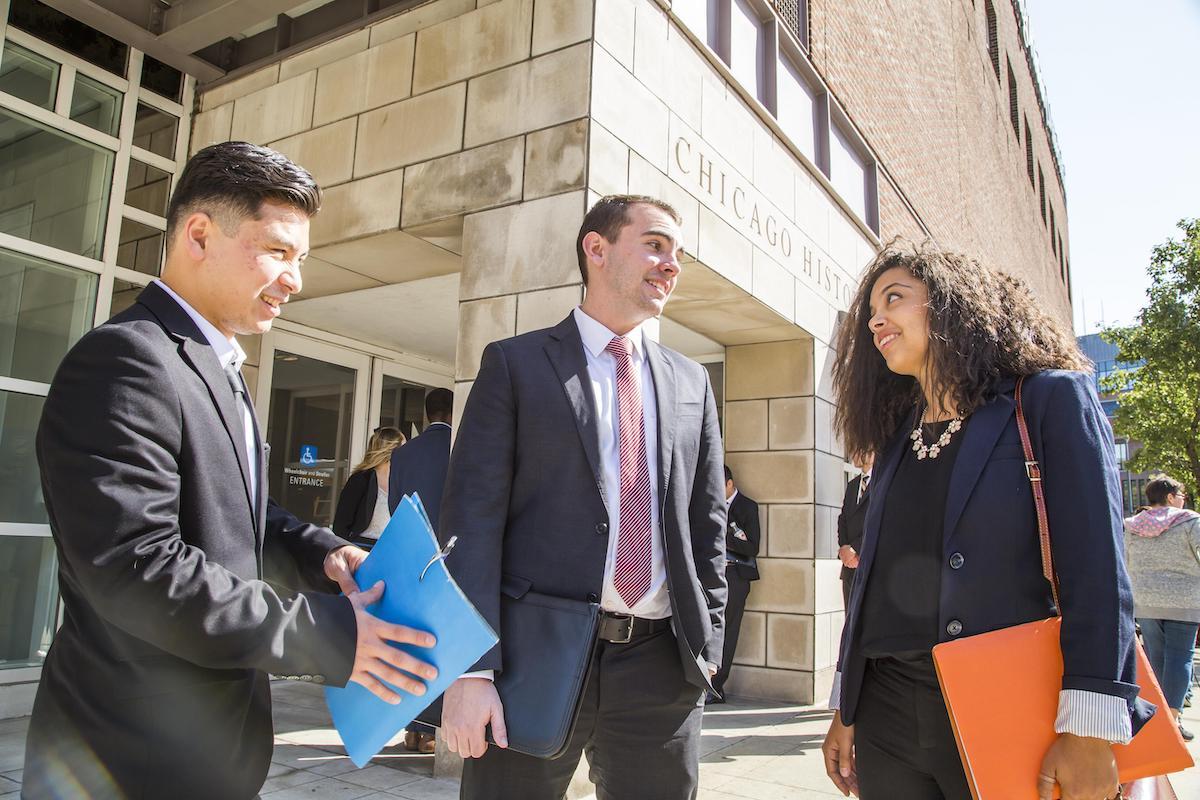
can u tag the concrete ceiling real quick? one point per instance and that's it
(418, 317)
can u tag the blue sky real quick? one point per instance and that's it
(1122, 81)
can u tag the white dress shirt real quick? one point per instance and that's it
(228, 352)
(602, 372)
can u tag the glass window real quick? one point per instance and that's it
(155, 130)
(96, 105)
(68, 33)
(149, 188)
(746, 43)
(797, 108)
(27, 75)
(402, 405)
(141, 247)
(161, 78)
(29, 597)
(124, 295)
(848, 172)
(44, 309)
(20, 484)
(53, 187)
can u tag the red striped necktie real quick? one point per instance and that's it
(631, 574)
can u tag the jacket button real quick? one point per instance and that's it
(602, 528)
(318, 678)
(954, 628)
(956, 561)
(593, 597)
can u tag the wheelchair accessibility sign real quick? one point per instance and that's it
(308, 455)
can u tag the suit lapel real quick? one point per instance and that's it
(663, 373)
(565, 351)
(981, 435)
(199, 355)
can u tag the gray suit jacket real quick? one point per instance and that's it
(525, 497)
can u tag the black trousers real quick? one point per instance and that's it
(639, 724)
(903, 744)
(739, 590)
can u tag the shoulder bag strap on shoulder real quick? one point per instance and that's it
(1034, 471)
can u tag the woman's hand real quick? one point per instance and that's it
(1084, 767)
(839, 756)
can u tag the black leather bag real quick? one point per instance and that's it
(547, 645)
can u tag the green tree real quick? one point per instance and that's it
(1160, 398)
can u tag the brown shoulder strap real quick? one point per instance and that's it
(1034, 471)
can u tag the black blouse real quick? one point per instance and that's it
(900, 606)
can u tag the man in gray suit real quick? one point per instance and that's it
(588, 465)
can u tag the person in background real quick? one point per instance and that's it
(362, 510)
(926, 375)
(742, 538)
(420, 466)
(1162, 549)
(850, 523)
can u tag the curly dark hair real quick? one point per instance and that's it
(984, 325)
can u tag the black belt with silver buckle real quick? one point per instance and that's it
(620, 628)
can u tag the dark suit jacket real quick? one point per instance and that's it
(850, 520)
(991, 523)
(744, 512)
(356, 503)
(156, 684)
(524, 494)
(420, 466)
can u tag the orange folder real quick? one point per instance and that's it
(1001, 690)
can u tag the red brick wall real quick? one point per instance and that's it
(917, 80)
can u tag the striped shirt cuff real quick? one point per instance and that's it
(1093, 714)
(835, 693)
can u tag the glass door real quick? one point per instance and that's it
(398, 395)
(316, 402)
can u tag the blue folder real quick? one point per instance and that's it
(406, 549)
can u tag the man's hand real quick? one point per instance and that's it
(838, 749)
(341, 564)
(1084, 767)
(467, 707)
(376, 660)
(848, 556)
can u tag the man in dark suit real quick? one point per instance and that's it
(153, 472)
(420, 466)
(742, 538)
(850, 525)
(588, 466)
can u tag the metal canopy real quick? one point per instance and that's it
(208, 38)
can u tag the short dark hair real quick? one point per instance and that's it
(1160, 488)
(609, 216)
(728, 473)
(230, 182)
(438, 404)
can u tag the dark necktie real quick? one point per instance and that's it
(632, 571)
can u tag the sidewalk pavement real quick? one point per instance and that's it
(749, 751)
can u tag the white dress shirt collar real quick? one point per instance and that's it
(228, 350)
(596, 335)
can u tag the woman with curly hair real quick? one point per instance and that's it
(927, 363)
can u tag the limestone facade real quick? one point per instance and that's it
(474, 134)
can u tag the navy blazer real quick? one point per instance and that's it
(992, 571)
(420, 466)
